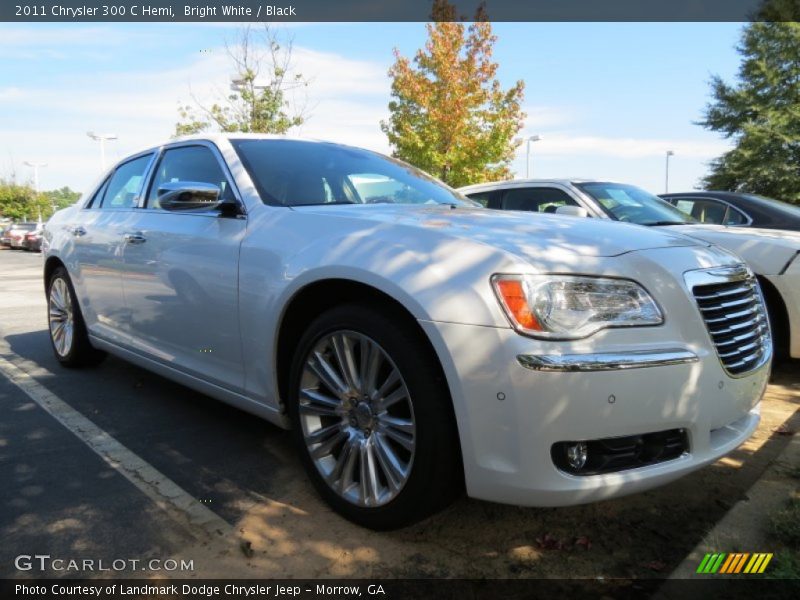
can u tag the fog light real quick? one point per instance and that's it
(576, 455)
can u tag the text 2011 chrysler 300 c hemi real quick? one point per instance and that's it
(413, 343)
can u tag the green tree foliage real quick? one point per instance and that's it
(760, 112)
(263, 90)
(62, 198)
(449, 114)
(21, 202)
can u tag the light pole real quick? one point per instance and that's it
(666, 173)
(102, 138)
(533, 138)
(35, 166)
(240, 84)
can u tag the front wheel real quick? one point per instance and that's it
(373, 419)
(68, 333)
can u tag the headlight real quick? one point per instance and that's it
(570, 307)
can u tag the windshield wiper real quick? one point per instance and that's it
(323, 203)
(660, 223)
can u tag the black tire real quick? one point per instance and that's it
(79, 352)
(435, 474)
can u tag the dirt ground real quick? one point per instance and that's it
(644, 536)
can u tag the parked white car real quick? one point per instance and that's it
(412, 342)
(773, 254)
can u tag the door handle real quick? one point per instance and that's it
(134, 238)
(78, 231)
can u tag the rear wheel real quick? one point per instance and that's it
(372, 418)
(67, 329)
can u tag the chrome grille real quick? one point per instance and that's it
(733, 309)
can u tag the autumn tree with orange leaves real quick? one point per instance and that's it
(449, 114)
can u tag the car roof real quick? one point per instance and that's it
(496, 185)
(708, 193)
(216, 138)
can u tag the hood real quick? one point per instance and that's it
(779, 237)
(521, 233)
(768, 251)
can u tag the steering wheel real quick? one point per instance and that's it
(379, 200)
(625, 213)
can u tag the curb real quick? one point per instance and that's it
(743, 527)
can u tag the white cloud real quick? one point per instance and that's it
(10, 94)
(539, 117)
(348, 98)
(625, 147)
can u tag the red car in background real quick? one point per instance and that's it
(14, 236)
(33, 241)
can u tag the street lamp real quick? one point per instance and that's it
(666, 174)
(533, 138)
(35, 166)
(102, 138)
(240, 85)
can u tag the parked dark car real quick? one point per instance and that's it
(736, 209)
(33, 241)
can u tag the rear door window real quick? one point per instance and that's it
(537, 199)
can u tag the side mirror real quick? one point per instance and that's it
(572, 211)
(189, 195)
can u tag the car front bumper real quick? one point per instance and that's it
(510, 414)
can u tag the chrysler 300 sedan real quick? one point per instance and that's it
(414, 344)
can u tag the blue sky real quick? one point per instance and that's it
(607, 99)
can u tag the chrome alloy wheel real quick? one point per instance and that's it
(61, 317)
(357, 418)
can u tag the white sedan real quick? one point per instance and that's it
(413, 343)
(773, 254)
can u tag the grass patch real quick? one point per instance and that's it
(785, 523)
(784, 565)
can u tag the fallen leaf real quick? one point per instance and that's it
(782, 430)
(656, 565)
(548, 542)
(584, 542)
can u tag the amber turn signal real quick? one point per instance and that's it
(512, 295)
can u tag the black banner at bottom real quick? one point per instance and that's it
(394, 589)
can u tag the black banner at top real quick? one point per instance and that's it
(393, 10)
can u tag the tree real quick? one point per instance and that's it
(760, 112)
(62, 198)
(449, 113)
(21, 202)
(261, 85)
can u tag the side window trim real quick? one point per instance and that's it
(153, 170)
(746, 219)
(98, 193)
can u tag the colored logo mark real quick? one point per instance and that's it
(734, 563)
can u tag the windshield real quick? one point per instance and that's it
(24, 226)
(299, 173)
(634, 205)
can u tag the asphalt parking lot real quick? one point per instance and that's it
(117, 463)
